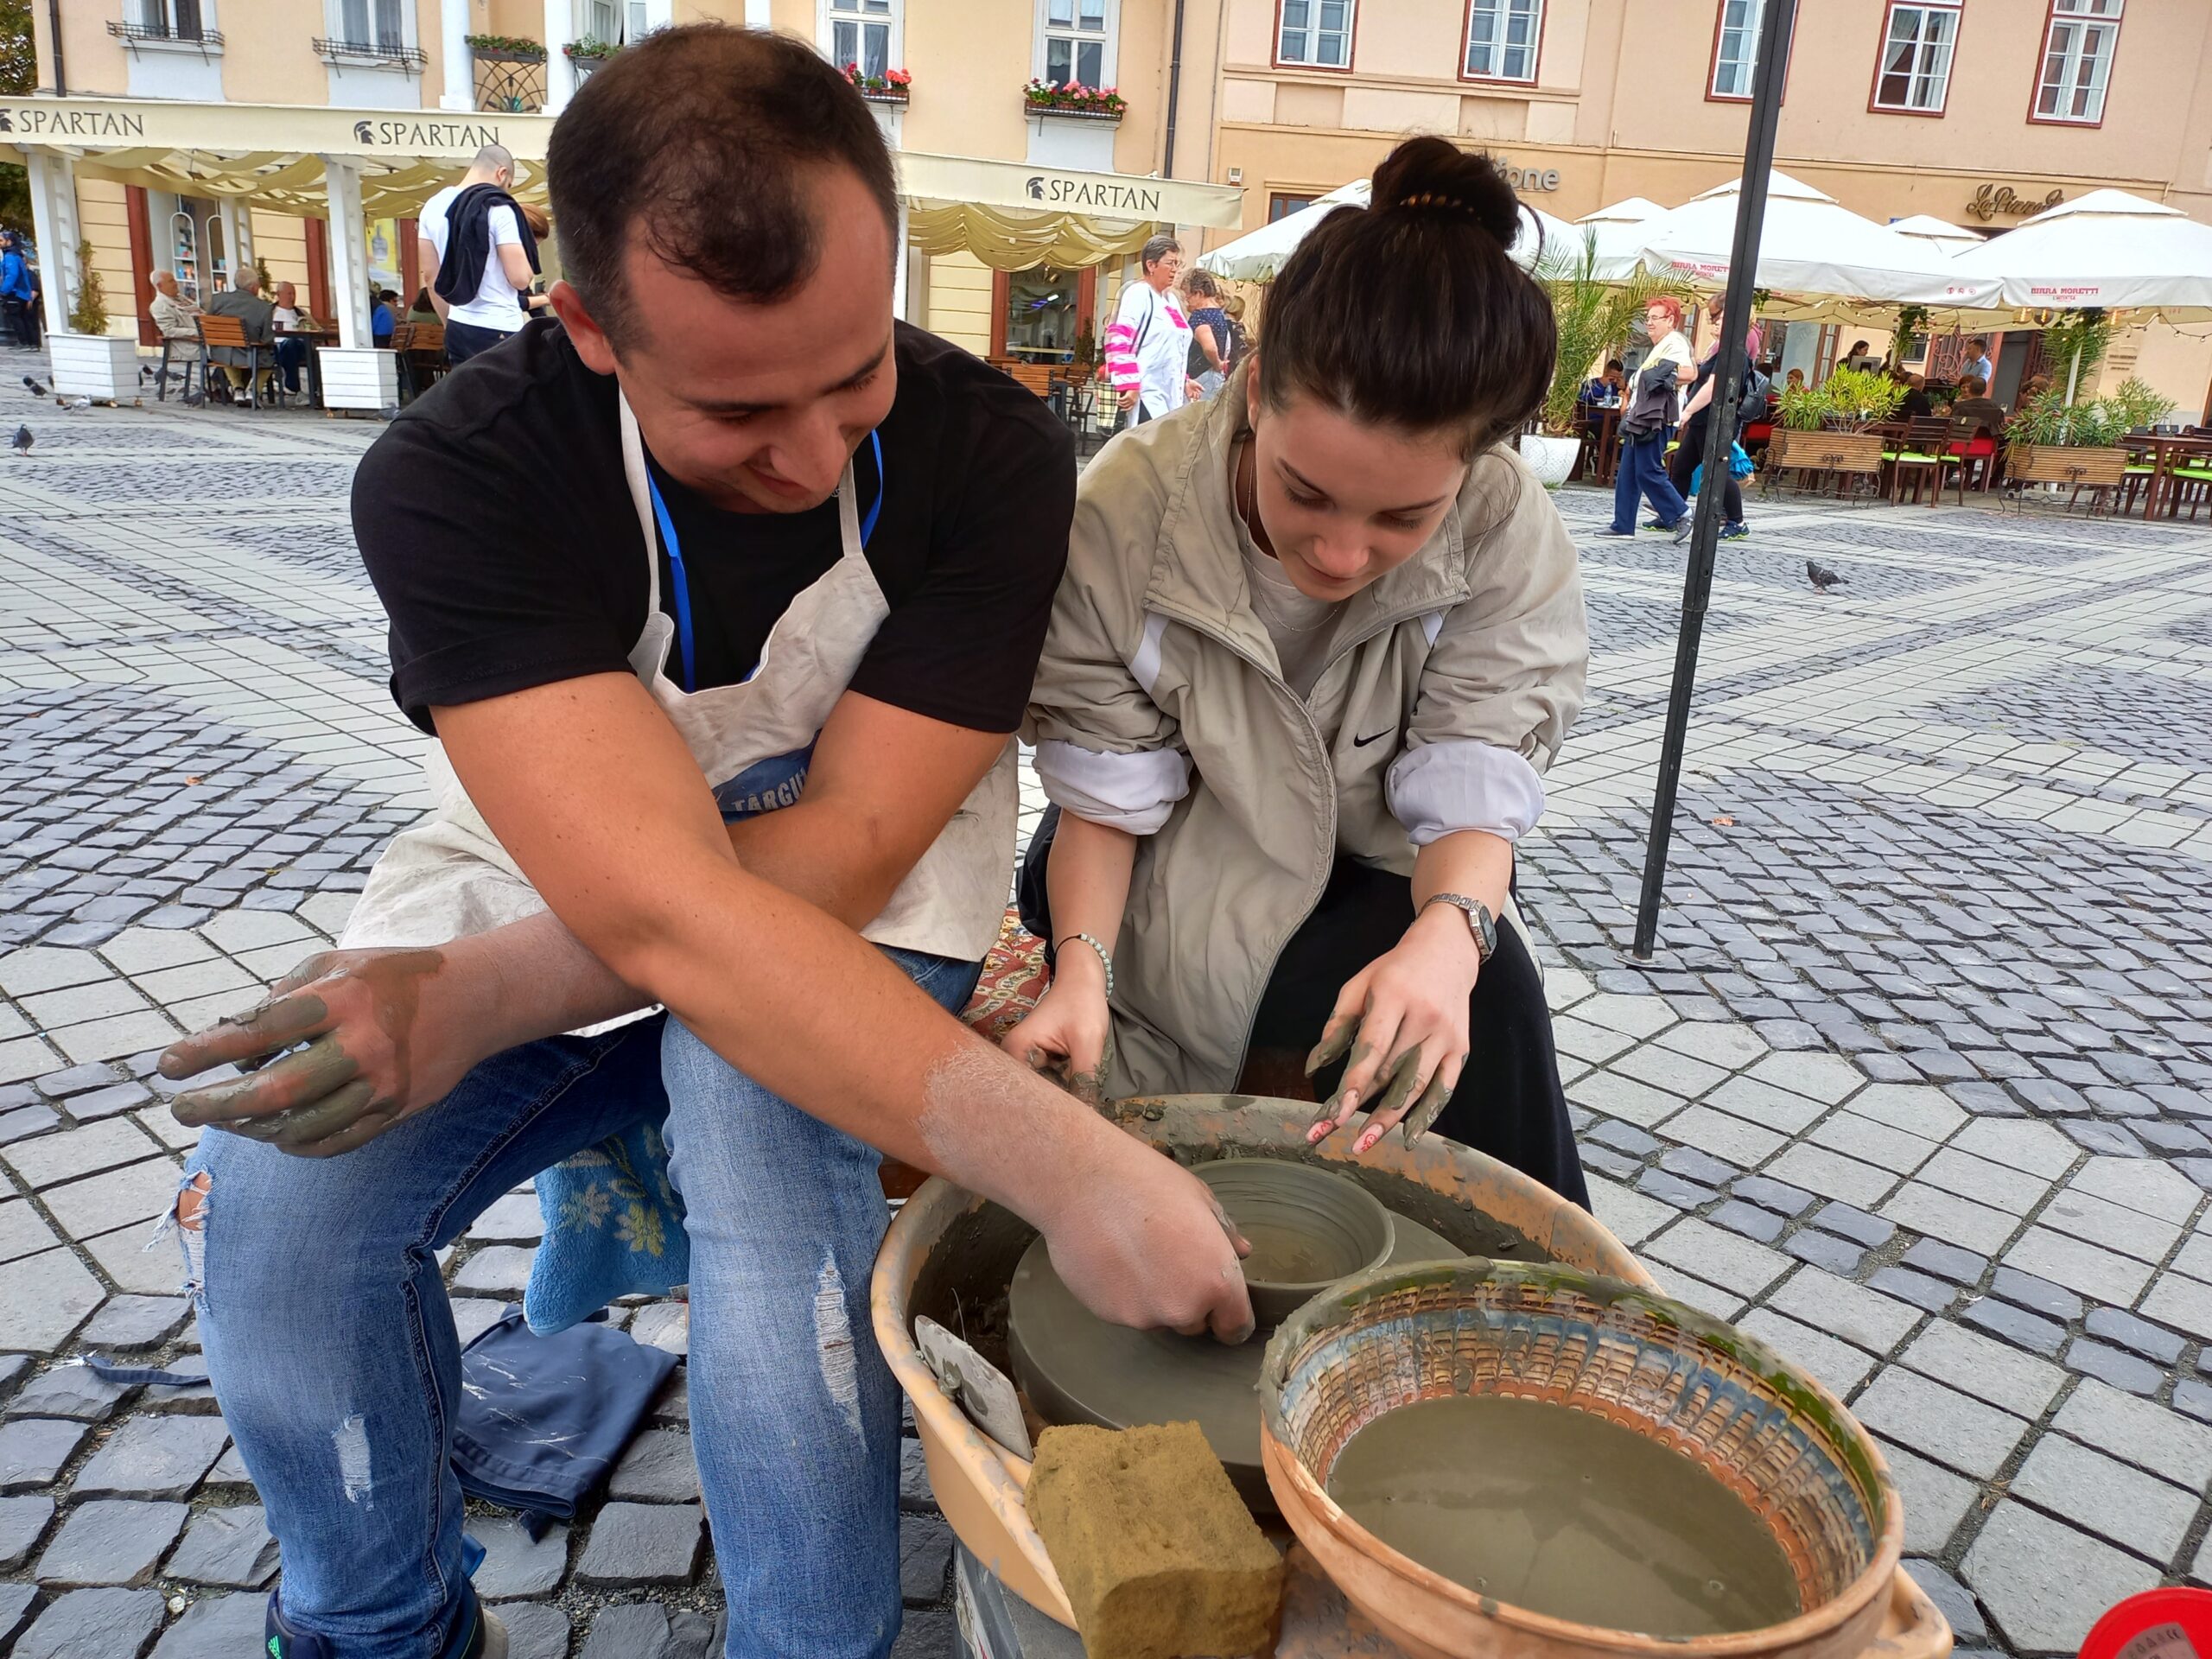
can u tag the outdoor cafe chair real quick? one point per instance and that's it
(1929, 444)
(162, 375)
(217, 334)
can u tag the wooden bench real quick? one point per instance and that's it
(221, 334)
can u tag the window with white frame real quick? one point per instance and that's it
(1077, 41)
(1316, 32)
(170, 19)
(1736, 48)
(1914, 74)
(2077, 53)
(860, 32)
(372, 25)
(1502, 39)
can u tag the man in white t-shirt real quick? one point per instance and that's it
(476, 323)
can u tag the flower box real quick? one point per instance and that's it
(891, 87)
(1074, 101)
(1825, 451)
(104, 367)
(2056, 463)
(359, 377)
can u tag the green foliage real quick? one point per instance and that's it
(1802, 410)
(89, 314)
(2087, 331)
(519, 46)
(1086, 346)
(2048, 420)
(261, 269)
(1592, 314)
(591, 46)
(1912, 319)
(18, 55)
(1859, 398)
(1849, 400)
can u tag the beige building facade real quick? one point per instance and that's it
(1975, 111)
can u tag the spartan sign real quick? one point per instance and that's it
(364, 132)
(1036, 188)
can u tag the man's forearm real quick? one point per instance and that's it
(824, 856)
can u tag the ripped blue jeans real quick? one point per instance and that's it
(331, 1344)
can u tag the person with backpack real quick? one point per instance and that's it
(1689, 453)
(1211, 359)
(1148, 346)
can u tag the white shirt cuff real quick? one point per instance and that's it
(1134, 792)
(1439, 789)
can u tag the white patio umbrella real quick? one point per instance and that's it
(1939, 233)
(1620, 242)
(2106, 249)
(1810, 243)
(1258, 257)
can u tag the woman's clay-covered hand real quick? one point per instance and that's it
(347, 1044)
(1069, 1035)
(1403, 1019)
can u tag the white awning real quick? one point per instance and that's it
(1261, 256)
(271, 152)
(2108, 249)
(1809, 243)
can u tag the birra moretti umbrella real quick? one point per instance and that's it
(2106, 249)
(1809, 243)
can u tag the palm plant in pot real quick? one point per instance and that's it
(1825, 427)
(2049, 440)
(1590, 314)
(88, 361)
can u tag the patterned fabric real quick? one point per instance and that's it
(1014, 976)
(613, 1227)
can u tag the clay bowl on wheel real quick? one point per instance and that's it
(1779, 1442)
(1308, 1228)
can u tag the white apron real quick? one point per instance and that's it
(448, 876)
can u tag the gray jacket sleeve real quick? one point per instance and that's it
(1506, 675)
(1106, 751)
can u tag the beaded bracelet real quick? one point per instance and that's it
(1104, 957)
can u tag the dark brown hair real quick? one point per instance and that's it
(1408, 312)
(700, 140)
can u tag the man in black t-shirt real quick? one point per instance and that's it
(723, 595)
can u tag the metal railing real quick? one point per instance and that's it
(192, 36)
(509, 85)
(373, 51)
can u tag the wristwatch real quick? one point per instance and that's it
(1480, 922)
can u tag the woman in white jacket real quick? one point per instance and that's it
(1318, 638)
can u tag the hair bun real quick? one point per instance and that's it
(1432, 175)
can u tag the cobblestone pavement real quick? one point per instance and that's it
(1918, 1089)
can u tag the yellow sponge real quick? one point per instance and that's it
(1159, 1558)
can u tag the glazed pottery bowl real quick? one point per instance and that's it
(1308, 1228)
(1771, 1435)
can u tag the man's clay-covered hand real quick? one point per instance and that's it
(344, 1046)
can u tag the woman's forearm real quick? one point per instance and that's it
(1472, 863)
(1209, 346)
(1087, 878)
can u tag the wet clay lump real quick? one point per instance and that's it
(1564, 1513)
(1158, 1556)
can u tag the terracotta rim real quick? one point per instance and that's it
(1282, 1463)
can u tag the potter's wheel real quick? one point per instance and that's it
(1076, 1368)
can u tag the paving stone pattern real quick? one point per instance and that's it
(1919, 1091)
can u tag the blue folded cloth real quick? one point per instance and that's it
(613, 1227)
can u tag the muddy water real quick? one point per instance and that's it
(1288, 1255)
(1564, 1513)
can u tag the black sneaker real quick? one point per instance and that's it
(482, 1636)
(1735, 532)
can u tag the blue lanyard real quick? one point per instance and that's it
(681, 584)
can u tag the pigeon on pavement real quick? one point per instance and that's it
(33, 387)
(1820, 576)
(21, 441)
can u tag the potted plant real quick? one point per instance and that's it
(1825, 427)
(1072, 98)
(587, 55)
(88, 361)
(1591, 315)
(891, 87)
(1085, 354)
(2049, 440)
(506, 48)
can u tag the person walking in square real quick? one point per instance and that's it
(1148, 343)
(1641, 473)
(18, 294)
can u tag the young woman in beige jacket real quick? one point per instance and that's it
(1318, 639)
